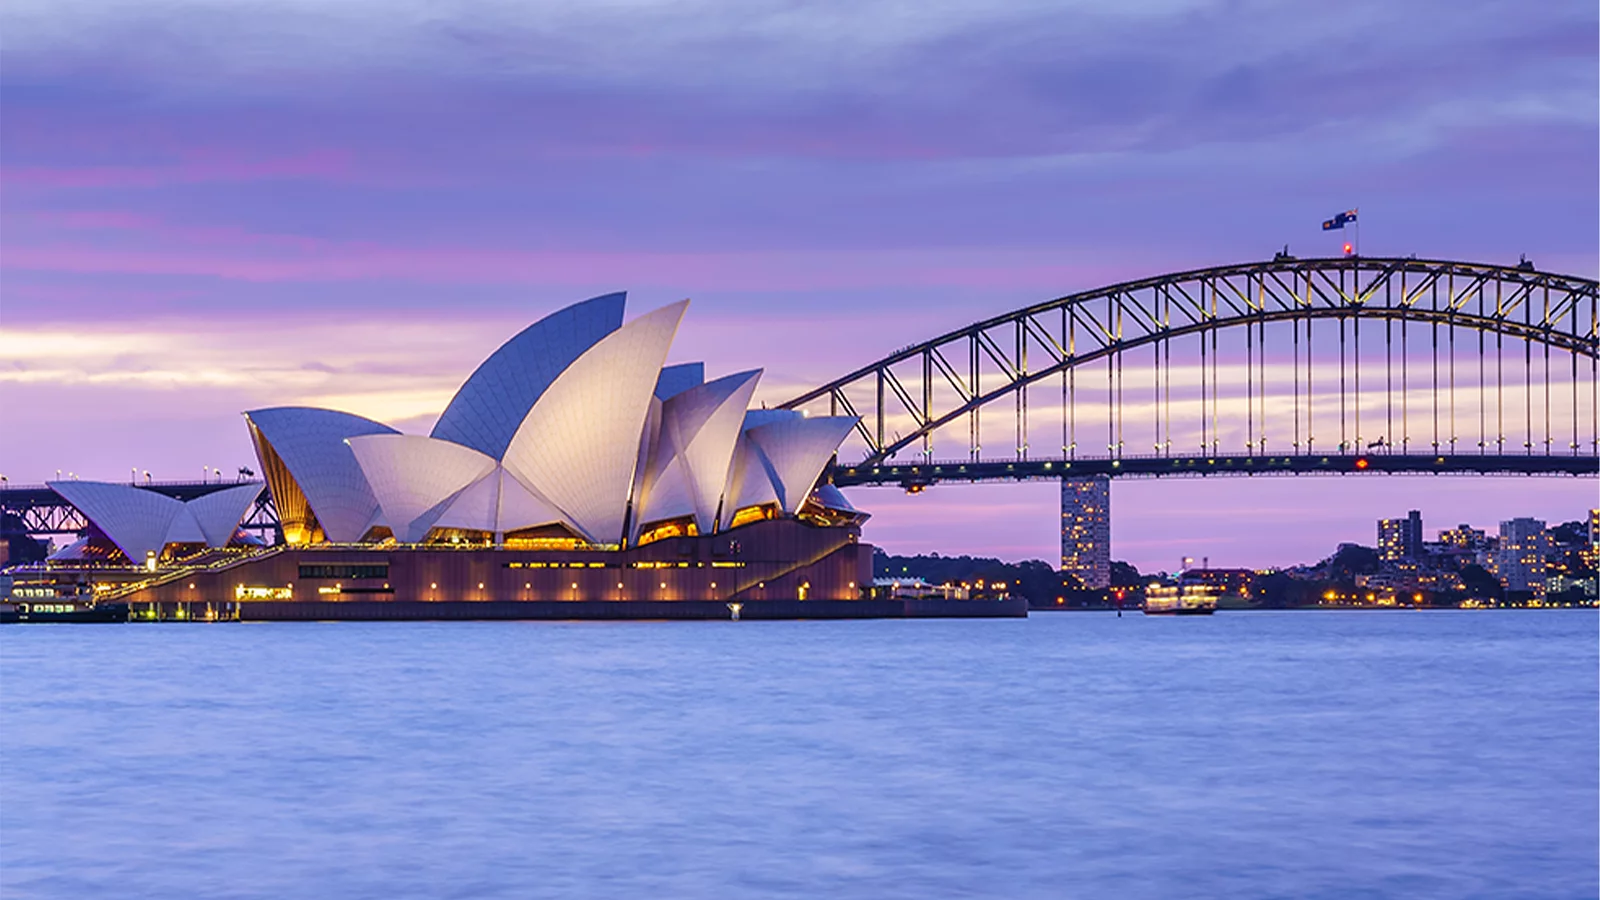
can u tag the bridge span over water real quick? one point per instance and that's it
(1339, 366)
(1349, 365)
(1291, 366)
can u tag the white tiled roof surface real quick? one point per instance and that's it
(749, 484)
(699, 433)
(796, 450)
(184, 529)
(141, 521)
(579, 445)
(679, 378)
(413, 476)
(136, 520)
(521, 508)
(486, 411)
(219, 512)
(311, 443)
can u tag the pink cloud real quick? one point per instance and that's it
(224, 252)
(195, 168)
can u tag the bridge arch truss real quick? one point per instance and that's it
(1286, 358)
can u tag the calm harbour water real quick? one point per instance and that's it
(1307, 755)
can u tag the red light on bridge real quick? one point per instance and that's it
(1361, 462)
(1348, 249)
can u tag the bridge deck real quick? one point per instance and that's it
(918, 474)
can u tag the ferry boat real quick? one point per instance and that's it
(62, 609)
(1172, 600)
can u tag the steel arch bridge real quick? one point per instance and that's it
(1286, 366)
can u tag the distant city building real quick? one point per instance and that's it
(1226, 581)
(1589, 555)
(1557, 584)
(1086, 530)
(1519, 560)
(1400, 538)
(1464, 537)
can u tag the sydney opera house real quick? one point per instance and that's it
(574, 474)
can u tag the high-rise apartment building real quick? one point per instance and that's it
(1401, 538)
(1086, 530)
(1519, 560)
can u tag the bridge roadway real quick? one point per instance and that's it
(914, 476)
(44, 512)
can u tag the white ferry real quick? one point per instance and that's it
(1172, 600)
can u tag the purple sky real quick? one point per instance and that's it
(207, 207)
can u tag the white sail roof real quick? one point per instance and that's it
(679, 378)
(413, 476)
(311, 443)
(219, 512)
(699, 434)
(141, 521)
(796, 450)
(136, 520)
(184, 529)
(749, 484)
(579, 445)
(521, 508)
(486, 411)
(497, 503)
(829, 496)
(748, 481)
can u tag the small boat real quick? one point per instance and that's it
(1173, 600)
(62, 609)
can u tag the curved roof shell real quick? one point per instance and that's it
(579, 446)
(486, 412)
(413, 477)
(794, 451)
(498, 503)
(218, 513)
(676, 379)
(829, 496)
(135, 519)
(699, 434)
(311, 444)
(749, 484)
(141, 522)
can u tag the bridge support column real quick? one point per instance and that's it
(1086, 530)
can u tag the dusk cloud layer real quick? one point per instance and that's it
(211, 206)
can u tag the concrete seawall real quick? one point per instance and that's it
(403, 610)
(378, 610)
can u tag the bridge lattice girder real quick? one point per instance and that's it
(1516, 302)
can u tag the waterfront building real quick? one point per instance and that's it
(1519, 560)
(573, 466)
(1400, 538)
(1086, 530)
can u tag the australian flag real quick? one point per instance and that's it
(1339, 221)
